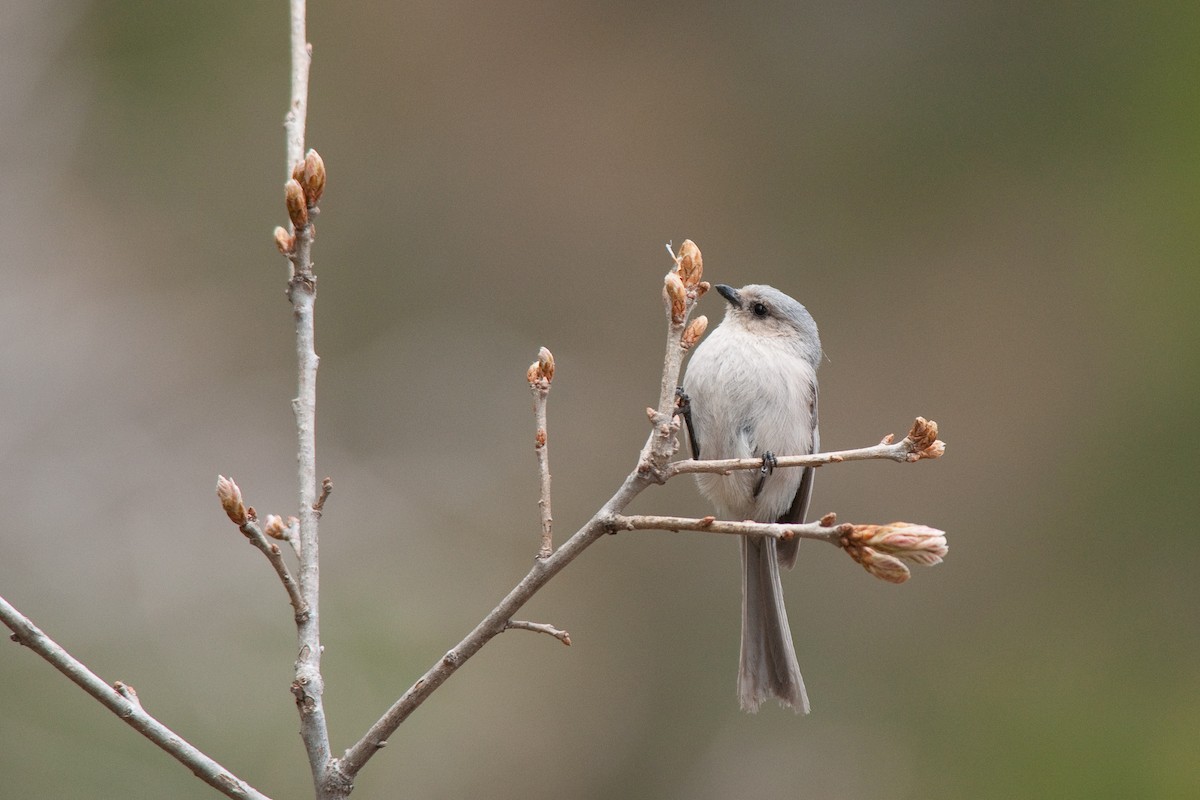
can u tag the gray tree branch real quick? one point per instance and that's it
(122, 701)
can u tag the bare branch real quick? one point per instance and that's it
(538, 627)
(539, 375)
(770, 530)
(122, 700)
(880, 549)
(307, 171)
(921, 443)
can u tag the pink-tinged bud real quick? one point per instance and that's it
(676, 297)
(231, 500)
(693, 332)
(881, 565)
(312, 177)
(918, 544)
(546, 364)
(284, 241)
(534, 373)
(297, 208)
(691, 265)
(274, 527)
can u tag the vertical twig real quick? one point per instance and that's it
(540, 374)
(308, 686)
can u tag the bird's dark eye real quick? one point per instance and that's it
(760, 310)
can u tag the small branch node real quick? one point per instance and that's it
(326, 490)
(539, 627)
(128, 692)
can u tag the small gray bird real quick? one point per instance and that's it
(752, 388)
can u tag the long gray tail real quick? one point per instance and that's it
(768, 665)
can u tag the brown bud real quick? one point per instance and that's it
(297, 208)
(284, 240)
(312, 177)
(691, 265)
(533, 374)
(676, 297)
(701, 288)
(274, 527)
(546, 364)
(693, 332)
(231, 500)
(881, 565)
(923, 437)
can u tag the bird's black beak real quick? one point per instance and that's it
(730, 294)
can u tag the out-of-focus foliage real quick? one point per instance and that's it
(991, 211)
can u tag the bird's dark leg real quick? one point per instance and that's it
(683, 407)
(768, 467)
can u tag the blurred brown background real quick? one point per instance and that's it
(990, 211)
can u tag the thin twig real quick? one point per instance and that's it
(256, 537)
(540, 375)
(921, 443)
(308, 686)
(538, 627)
(812, 530)
(122, 701)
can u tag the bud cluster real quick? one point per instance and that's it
(682, 286)
(541, 370)
(923, 440)
(300, 195)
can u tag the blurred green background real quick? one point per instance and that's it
(990, 209)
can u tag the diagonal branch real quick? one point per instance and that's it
(122, 701)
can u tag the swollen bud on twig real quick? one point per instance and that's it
(881, 565)
(284, 240)
(691, 265)
(542, 369)
(231, 500)
(676, 297)
(312, 177)
(880, 548)
(546, 364)
(274, 527)
(918, 544)
(297, 208)
(693, 332)
(923, 440)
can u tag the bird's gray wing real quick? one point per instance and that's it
(799, 508)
